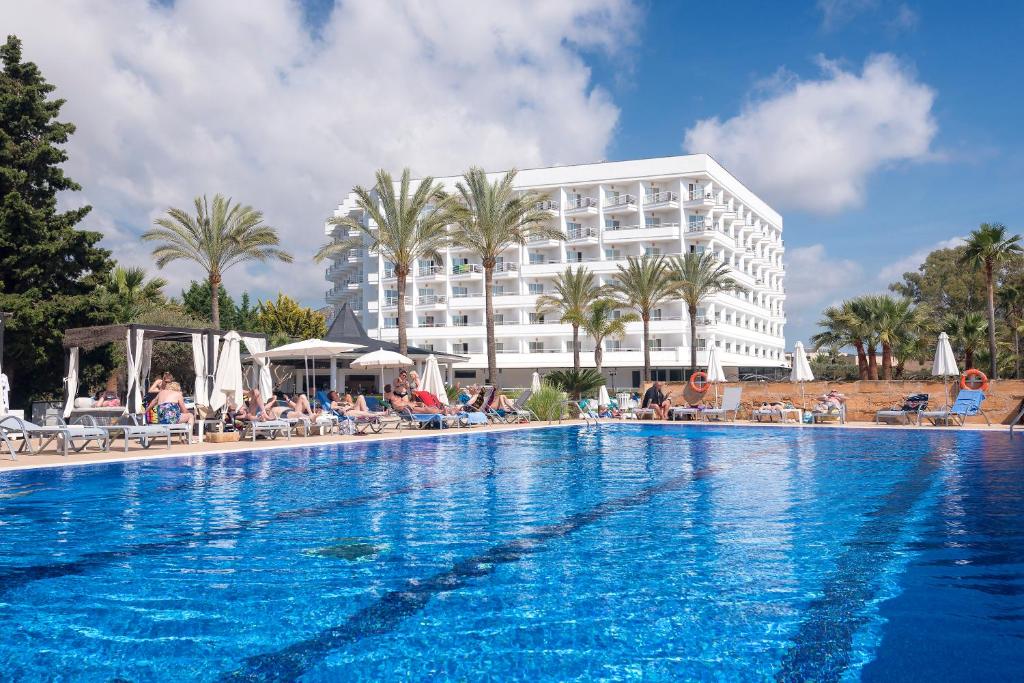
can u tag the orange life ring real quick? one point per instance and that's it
(974, 373)
(693, 381)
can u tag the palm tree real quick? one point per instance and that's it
(600, 323)
(574, 292)
(895, 321)
(216, 238)
(404, 229)
(843, 326)
(131, 294)
(1011, 298)
(986, 248)
(699, 275)
(967, 333)
(643, 284)
(494, 217)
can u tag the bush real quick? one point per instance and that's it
(548, 403)
(576, 382)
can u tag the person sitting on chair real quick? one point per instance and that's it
(170, 406)
(658, 401)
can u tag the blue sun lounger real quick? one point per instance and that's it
(967, 404)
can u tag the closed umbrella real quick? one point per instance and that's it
(715, 372)
(228, 384)
(602, 396)
(380, 360)
(801, 372)
(944, 365)
(432, 381)
(535, 382)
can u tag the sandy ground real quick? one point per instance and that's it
(92, 455)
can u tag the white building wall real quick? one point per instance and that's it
(608, 211)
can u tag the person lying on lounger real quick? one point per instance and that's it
(348, 407)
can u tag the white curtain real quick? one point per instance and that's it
(199, 364)
(5, 388)
(147, 362)
(71, 383)
(266, 380)
(134, 393)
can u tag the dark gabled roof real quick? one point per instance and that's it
(87, 338)
(347, 328)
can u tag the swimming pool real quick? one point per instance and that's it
(617, 552)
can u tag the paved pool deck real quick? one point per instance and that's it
(92, 455)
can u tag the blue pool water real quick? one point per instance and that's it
(618, 552)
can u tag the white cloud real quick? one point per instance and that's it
(837, 12)
(812, 144)
(815, 280)
(237, 97)
(893, 272)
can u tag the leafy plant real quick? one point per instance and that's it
(548, 403)
(287, 317)
(576, 382)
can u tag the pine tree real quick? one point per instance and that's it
(49, 270)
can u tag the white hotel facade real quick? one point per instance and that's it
(607, 212)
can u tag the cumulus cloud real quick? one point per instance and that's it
(893, 272)
(174, 100)
(813, 144)
(814, 280)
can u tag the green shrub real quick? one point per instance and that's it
(576, 382)
(548, 403)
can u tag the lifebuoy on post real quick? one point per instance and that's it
(973, 373)
(703, 386)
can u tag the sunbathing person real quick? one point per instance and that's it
(502, 402)
(347, 407)
(169, 406)
(400, 403)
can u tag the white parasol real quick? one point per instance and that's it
(228, 384)
(944, 364)
(432, 381)
(306, 349)
(535, 382)
(380, 360)
(602, 396)
(715, 372)
(801, 372)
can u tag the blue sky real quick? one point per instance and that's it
(878, 129)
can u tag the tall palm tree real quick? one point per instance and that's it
(405, 228)
(574, 292)
(600, 323)
(1011, 298)
(987, 248)
(967, 333)
(216, 237)
(643, 284)
(699, 275)
(494, 217)
(130, 294)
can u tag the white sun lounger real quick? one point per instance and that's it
(66, 435)
(730, 404)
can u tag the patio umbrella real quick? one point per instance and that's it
(307, 349)
(801, 372)
(379, 360)
(944, 365)
(432, 381)
(715, 372)
(602, 396)
(535, 382)
(227, 383)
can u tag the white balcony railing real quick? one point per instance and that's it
(660, 198)
(465, 295)
(506, 267)
(432, 299)
(547, 205)
(467, 268)
(698, 195)
(581, 233)
(576, 203)
(427, 271)
(620, 200)
(700, 226)
(393, 300)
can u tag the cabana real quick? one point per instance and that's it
(138, 341)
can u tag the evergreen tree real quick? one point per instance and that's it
(49, 271)
(287, 317)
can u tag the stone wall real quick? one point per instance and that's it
(863, 399)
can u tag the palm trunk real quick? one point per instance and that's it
(969, 359)
(215, 300)
(993, 361)
(692, 312)
(872, 362)
(492, 354)
(598, 356)
(576, 347)
(647, 349)
(862, 360)
(403, 338)
(886, 361)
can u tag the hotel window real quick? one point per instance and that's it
(612, 224)
(536, 347)
(426, 291)
(499, 346)
(653, 222)
(427, 321)
(536, 319)
(460, 292)
(697, 248)
(616, 314)
(536, 258)
(460, 320)
(613, 344)
(702, 343)
(535, 288)
(498, 290)
(718, 343)
(570, 344)
(499, 318)
(390, 323)
(728, 346)
(460, 347)
(613, 254)
(573, 228)
(576, 256)
(656, 345)
(613, 196)
(428, 347)
(656, 314)
(652, 251)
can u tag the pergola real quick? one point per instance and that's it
(138, 339)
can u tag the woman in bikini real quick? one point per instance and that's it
(170, 406)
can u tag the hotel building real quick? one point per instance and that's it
(607, 212)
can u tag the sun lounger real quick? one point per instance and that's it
(766, 414)
(967, 404)
(730, 404)
(130, 429)
(75, 436)
(911, 410)
(679, 412)
(838, 415)
(518, 413)
(424, 420)
(270, 429)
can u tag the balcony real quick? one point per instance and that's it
(335, 295)
(699, 198)
(661, 200)
(548, 205)
(388, 274)
(432, 300)
(430, 271)
(467, 269)
(621, 203)
(581, 205)
(424, 322)
(582, 234)
(506, 268)
(392, 301)
(355, 255)
(643, 231)
(705, 225)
